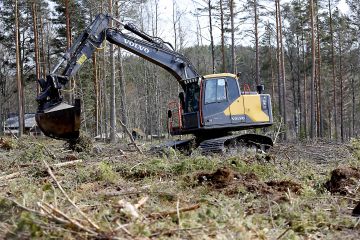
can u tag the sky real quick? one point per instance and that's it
(189, 22)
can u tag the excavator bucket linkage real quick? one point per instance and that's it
(61, 121)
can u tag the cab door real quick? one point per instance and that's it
(236, 103)
(215, 101)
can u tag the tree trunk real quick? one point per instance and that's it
(20, 89)
(96, 90)
(222, 36)
(36, 44)
(313, 67)
(174, 24)
(333, 72)
(122, 83)
(278, 58)
(319, 87)
(299, 84)
(305, 86)
(341, 86)
(233, 56)
(112, 86)
(211, 37)
(353, 108)
(271, 64)
(68, 43)
(283, 73)
(43, 58)
(257, 53)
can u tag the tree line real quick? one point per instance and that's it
(306, 53)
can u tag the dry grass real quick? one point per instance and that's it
(281, 195)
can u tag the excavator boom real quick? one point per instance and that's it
(62, 121)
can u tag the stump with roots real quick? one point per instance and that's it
(82, 144)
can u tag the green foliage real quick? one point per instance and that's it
(355, 145)
(28, 223)
(262, 170)
(102, 172)
(34, 152)
(8, 143)
(106, 173)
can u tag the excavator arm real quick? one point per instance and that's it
(59, 120)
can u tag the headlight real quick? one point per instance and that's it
(264, 103)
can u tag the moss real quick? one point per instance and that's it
(8, 143)
(34, 152)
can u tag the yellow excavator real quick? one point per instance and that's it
(210, 107)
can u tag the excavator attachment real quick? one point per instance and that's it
(61, 121)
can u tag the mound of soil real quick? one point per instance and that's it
(221, 178)
(82, 144)
(342, 179)
(283, 186)
(230, 182)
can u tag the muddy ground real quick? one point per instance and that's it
(104, 191)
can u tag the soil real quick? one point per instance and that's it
(231, 182)
(342, 179)
(82, 144)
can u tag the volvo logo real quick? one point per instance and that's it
(136, 46)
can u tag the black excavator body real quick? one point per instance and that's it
(210, 108)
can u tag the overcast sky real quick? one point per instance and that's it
(189, 22)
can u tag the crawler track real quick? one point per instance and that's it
(222, 144)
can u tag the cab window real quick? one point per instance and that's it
(215, 90)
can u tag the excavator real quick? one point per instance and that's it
(210, 107)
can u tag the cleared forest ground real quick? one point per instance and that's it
(292, 192)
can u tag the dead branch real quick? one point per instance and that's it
(141, 202)
(51, 215)
(57, 165)
(130, 136)
(72, 221)
(168, 213)
(11, 176)
(68, 198)
(278, 131)
(172, 231)
(66, 164)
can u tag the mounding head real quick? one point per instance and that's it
(61, 121)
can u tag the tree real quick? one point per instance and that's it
(211, 35)
(20, 89)
(112, 86)
(313, 67)
(232, 20)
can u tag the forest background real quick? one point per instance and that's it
(306, 53)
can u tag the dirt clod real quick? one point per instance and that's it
(221, 178)
(230, 182)
(342, 179)
(82, 144)
(283, 186)
(356, 210)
